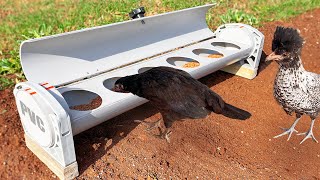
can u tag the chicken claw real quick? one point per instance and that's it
(164, 134)
(290, 130)
(309, 134)
(150, 125)
(287, 131)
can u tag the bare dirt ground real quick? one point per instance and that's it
(216, 147)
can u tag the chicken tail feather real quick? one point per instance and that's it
(235, 113)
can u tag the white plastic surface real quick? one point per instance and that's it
(45, 120)
(35, 119)
(245, 34)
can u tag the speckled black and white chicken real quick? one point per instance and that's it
(296, 90)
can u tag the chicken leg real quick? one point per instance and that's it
(168, 121)
(309, 134)
(291, 129)
(164, 134)
(150, 125)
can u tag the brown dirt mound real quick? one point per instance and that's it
(216, 147)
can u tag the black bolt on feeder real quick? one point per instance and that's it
(137, 13)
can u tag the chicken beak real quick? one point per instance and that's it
(119, 88)
(274, 57)
(116, 88)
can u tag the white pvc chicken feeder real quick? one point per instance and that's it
(73, 68)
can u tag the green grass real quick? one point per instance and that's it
(278, 9)
(36, 18)
(5, 82)
(234, 15)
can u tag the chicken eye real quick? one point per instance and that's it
(280, 51)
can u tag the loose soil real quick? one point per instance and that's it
(215, 147)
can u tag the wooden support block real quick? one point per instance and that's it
(240, 70)
(68, 172)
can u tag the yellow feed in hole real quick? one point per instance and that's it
(215, 56)
(191, 65)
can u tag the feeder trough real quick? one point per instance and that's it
(67, 71)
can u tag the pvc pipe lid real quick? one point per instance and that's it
(68, 57)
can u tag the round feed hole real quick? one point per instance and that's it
(82, 100)
(183, 62)
(109, 83)
(224, 45)
(208, 53)
(144, 69)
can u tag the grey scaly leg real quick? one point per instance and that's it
(164, 134)
(291, 129)
(309, 134)
(150, 125)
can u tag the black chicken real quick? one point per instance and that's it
(295, 89)
(177, 96)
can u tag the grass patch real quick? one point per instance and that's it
(278, 9)
(5, 82)
(234, 15)
(21, 20)
(10, 65)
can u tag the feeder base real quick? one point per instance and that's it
(68, 172)
(241, 70)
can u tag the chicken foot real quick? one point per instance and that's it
(150, 125)
(164, 134)
(309, 134)
(290, 130)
